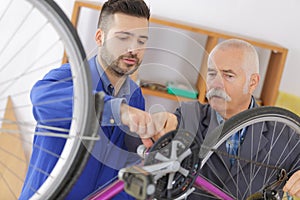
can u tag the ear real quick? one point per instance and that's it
(99, 37)
(254, 80)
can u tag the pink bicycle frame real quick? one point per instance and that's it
(116, 187)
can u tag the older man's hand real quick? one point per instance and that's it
(293, 185)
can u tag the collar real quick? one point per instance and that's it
(107, 85)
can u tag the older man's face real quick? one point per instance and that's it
(227, 84)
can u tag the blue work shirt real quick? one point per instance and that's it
(109, 154)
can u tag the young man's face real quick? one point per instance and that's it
(124, 43)
(226, 74)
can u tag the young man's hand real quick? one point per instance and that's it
(146, 125)
(164, 122)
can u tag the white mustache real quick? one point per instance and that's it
(215, 92)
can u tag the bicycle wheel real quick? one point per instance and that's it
(34, 36)
(268, 155)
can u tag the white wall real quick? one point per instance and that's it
(271, 20)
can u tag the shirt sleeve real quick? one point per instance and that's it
(52, 100)
(111, 111)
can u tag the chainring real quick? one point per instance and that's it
(182, 141)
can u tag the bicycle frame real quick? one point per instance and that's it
(117, 186)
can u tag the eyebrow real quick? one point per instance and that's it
(211, 69)
(228, 71)
(224, 70)
(131, 34)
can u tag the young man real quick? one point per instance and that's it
(232, 77)
(121, 37)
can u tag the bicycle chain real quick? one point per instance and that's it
(241, 159)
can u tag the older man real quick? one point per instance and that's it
(232, 77)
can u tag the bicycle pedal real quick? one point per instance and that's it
(137, 182)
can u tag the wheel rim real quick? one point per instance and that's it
(242, 176)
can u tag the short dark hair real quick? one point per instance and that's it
(137, 8)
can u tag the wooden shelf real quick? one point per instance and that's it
(275, 65)
(164, 94)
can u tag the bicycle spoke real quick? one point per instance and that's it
(19, 26)
(216, 172)
(26, 72)
(277, 137)
(6, 9)
(14, 56)
(33, 43)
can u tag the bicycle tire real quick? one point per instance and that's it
(283, 122)
(76, 151)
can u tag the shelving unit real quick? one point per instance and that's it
(271, 80)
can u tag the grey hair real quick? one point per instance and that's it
(251, 61)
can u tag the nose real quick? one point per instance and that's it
(133, 50)
(216, 82)
(134, 47)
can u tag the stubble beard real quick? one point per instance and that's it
(112, 65)
(118, 71)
